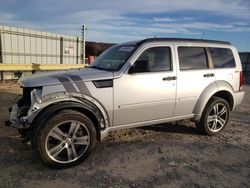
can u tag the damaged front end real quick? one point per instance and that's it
(24, 109)
(44, 94)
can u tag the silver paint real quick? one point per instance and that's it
(141, 99)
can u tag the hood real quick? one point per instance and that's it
(57, 77)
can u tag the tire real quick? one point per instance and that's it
(65, 139)
(214, 117)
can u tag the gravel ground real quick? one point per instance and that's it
(167, 155)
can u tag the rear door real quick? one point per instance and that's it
(194, 74)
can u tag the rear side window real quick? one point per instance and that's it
(222, 57)
(192, 58)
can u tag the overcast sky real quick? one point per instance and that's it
(125, 20)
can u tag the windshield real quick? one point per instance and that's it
(113, 58)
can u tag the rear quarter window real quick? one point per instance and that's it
(222, 57)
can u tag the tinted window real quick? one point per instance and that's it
(222, 57)
(192, 58)
(113, 58)
(154, 60)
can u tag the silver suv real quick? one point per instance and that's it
(132, 84)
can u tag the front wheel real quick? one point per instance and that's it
(66, 139)
(214, 117)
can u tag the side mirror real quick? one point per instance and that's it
(139, 66)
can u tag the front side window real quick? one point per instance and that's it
(222, 57)
(154, 60)
(114, 58)
(192, 58)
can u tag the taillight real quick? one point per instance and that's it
(241, 80)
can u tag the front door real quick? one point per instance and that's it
(146, 92)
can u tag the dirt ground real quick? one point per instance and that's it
(167, 155)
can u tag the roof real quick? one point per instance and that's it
(181, 40)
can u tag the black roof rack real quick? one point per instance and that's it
(180, 40)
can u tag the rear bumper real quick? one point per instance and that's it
(238, 98)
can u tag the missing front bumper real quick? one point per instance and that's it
(15, 121)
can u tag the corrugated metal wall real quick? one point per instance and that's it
(26, 46)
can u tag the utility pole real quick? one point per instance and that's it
(83, 43)
(203, 34)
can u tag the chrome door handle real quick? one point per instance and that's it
(208, 75)
(169, 78)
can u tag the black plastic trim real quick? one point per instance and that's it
(103, 83)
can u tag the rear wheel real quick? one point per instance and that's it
(66, 139)
(214, 117)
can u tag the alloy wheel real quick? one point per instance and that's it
(67, 141)
(217, 117)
